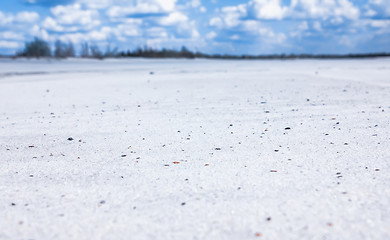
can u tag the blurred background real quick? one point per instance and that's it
(235, 27)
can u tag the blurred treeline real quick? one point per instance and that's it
(39, 48)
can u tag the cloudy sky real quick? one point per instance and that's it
(211, 26)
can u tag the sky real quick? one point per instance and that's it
(210, 26)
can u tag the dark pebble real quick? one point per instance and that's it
(123, 156)
(102, 202)
(183, 203)
(13, 204)
(268, 219)
(70, 139)
(218, 149)
(287, 128)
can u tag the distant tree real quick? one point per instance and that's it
(59, 50)
(84, 50)
(63, 50)
(37, 48)
(69, 50)
(95, 52)
(111, 52)
(186, 53)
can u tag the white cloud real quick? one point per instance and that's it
(234, 37)
(195, 3)
(323, 9)
(27, 17)
(317, 26)
(11, 35)
(71, 18)
(211, 35)
(381, 7)
(9, 44)
(128, 31)
(100, 35)
(21, 17)
(75, 15)
(346, 41)
(173, 19)
(300, 30)
(142, 7)
(216, 22)
(267, 9)
(73, 37)
(231, 15)
(50, 24)
(5, 18)
(99, 4)
(379, 26)
(157, 19)
(156, 32)
(298, 9)
(37, 31)
(380, 23)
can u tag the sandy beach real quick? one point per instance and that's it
(194, 149)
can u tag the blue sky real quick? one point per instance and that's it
(211, 26)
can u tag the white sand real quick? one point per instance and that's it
(328, 179)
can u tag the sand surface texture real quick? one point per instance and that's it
(195, 149)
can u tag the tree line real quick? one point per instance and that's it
(40, 48)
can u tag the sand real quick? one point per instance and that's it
(194, 149)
